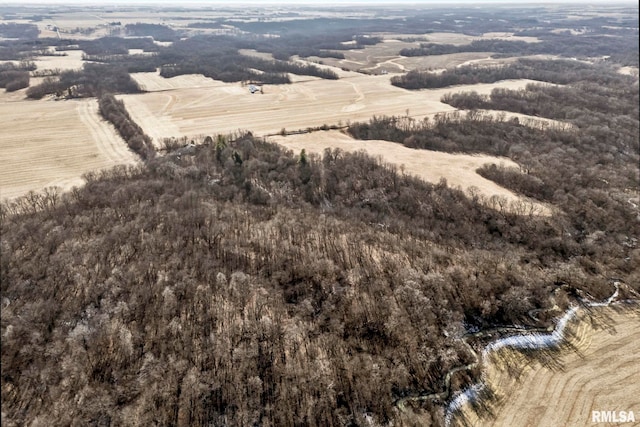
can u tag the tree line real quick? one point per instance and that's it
(589, 170)
(577, 103)
(114, 111)
(239, 284)
(551, 71)
(116, 45)
(567, 45)
(93, 80)
(219, 58)
(15, 76)
(157, 31)
(13, 30)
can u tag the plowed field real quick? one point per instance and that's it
(601, 374)
(174, 109)
(48, 143)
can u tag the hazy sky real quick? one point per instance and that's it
(299, 2)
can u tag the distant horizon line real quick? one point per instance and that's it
(304, 3)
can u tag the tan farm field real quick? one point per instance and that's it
(386, 56)
(72, 60)
(458, 169)
(49, 143)
(193, 106)
(68, 60)
(601, 374)
(173, 110)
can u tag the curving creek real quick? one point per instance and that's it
(530, 339)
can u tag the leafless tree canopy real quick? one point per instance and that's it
(234, 283)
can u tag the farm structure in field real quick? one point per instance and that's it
(172, 109)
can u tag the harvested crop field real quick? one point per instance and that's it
(310, 102)
(48, 143)
(529, 121)
(361, 61)
(386, 55)
(153, 82)
(457, 169)
(567, 393)
(21, 94)
(455, 38)
(72, 60)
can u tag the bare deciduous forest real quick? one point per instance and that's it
(236, 283)
(560, 72)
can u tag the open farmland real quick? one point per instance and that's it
(333, 211)
(192, 105)
(68, 60)
(18, 95)
(601, 374)
(385, 56)
(464, 39)
(72, 60)
(394, 63)
(153, 82)
(458, 169)
(53, 143)
(309, 102)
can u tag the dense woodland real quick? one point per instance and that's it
(12, 30)
(107, 46)
(564, 44)
(156, 31)
(557, 71)
(93, 80)
(215, 57)
(589, 169)
(236, 283)
(219, 58)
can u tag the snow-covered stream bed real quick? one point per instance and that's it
(531, 341)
